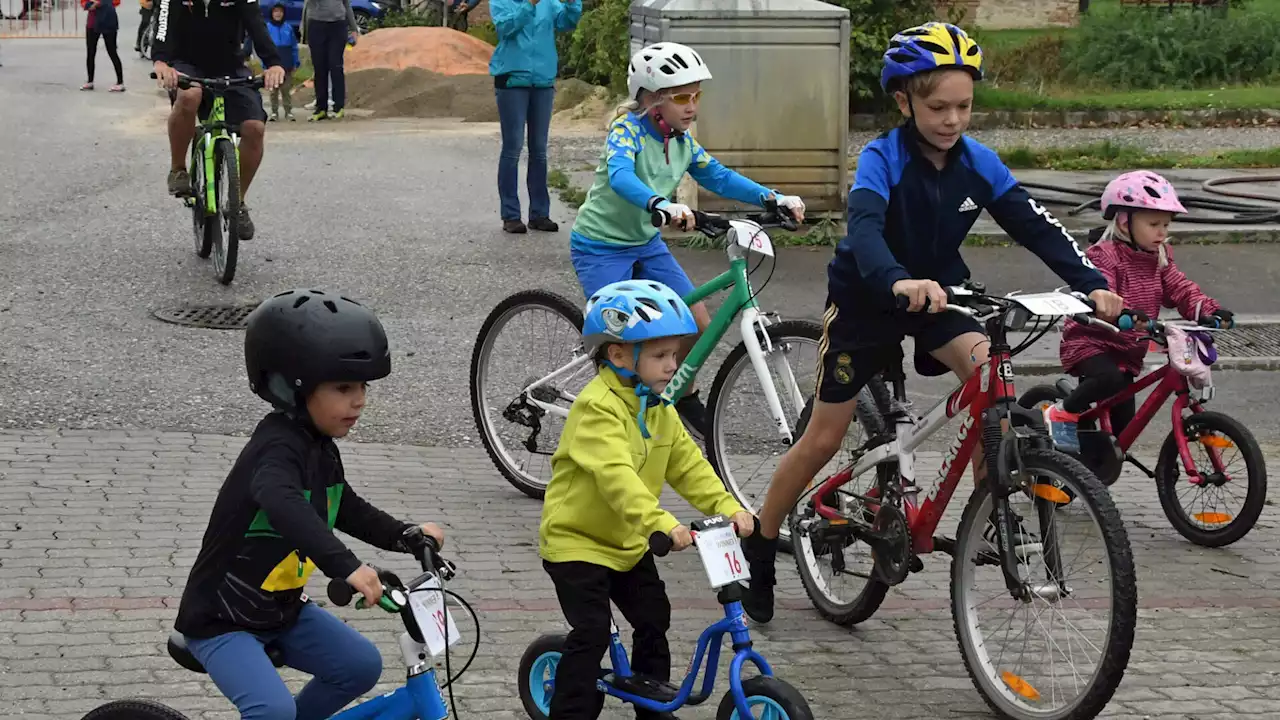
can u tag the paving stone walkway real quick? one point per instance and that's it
(98, 530)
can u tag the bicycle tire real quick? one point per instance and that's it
(549, 300)
(777, 695)
(227, 249)
(1169, 472)
(543, 646)
(201, 227)
(1124, 594)
(134, 710)
(778, 333)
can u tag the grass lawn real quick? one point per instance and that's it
(1108, 156)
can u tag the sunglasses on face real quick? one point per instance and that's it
(685, 98)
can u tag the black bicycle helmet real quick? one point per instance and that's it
(307, 337)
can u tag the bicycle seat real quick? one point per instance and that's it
(178, 650)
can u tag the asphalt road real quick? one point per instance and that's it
(399, 214)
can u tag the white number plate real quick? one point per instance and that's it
(722, 557)
(433, 616)
(1051, 303)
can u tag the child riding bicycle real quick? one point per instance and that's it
(311, 355)
(917, 191)
(620, 445)
(1134, 256)
(647, 153)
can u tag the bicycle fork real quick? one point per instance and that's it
(753, 326)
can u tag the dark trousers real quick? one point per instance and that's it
(327, 40)
(91, 46)
(584, 590)
(1101, 378)
(142, 26)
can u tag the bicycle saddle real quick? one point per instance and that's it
(178, 650)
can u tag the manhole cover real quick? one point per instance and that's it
(1249, 341)
(219, 317)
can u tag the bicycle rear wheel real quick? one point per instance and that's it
(1097, 607)
(133, 710)
(518, 435)
(227, 241)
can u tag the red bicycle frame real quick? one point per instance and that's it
(1171, 382)
(990, 384)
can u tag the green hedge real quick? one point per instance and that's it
(598, 51)
(1141, 48)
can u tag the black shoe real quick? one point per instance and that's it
(513, 226)
(761, 554)
(543, 224)
(694, 414)
(179, 183)
(245, 224)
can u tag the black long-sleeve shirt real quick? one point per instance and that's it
(271, 526)
(209, 34)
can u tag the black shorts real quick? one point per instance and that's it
(854, 349)
(242, 104)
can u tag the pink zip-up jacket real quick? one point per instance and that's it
(1145, 286)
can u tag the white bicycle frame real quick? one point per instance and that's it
(745, 237)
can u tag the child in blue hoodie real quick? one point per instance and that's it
(282, 34)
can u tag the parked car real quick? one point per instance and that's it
(364, 10)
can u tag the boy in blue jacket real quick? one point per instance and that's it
(918, 190)
(282, 34)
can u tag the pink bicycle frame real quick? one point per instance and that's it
(1171, 382)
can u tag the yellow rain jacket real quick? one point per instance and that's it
(602, 502)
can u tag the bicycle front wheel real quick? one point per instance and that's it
(134, 710)
(202, 224)
(227, 181)
(527, 337)
(1075, 575)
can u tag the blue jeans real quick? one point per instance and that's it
(343, 663)
(520, 108)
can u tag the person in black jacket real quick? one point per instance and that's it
(311, 355)
(205, 39)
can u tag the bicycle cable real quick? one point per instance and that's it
(475, 649)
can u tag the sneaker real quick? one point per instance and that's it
(543, 224)
(179, 183)
(245, 223)
(274, 116)
(322, 115)
(87, 86)
(338, 115)
(514, 226)
(290, 116)
(1062, 427)
(761, 554)
(693, 412)
(116, 88)
(1025, 541)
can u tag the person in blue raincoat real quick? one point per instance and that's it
(524, 67)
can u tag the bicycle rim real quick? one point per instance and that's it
(1074, 674)
(505, 361)
(199, 220)
(227, 177)
(745, 446)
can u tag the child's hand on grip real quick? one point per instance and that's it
(745, 522)
(681, 538)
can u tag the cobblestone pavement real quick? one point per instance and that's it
(98, 530)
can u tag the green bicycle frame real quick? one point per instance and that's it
(211, 129)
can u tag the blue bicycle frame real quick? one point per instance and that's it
(418, 698)
(735, 624)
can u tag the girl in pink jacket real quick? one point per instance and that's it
(1134, 256)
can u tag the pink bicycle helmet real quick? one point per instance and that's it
(1140, 190)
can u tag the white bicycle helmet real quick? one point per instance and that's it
(664, 65)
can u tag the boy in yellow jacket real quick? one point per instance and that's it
(619, 447)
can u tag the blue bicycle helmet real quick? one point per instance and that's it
(633, 311)
(931, 46)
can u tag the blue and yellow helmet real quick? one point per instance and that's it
(932, 46)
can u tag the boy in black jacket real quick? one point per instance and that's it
(311, 355)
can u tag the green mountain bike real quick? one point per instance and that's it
(215, 177)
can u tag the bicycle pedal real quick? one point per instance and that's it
(645, 687)
(944, 545)
(915, 564)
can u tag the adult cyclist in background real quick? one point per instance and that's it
(204, 39)
(647, 153)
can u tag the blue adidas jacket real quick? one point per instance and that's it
(907, 220)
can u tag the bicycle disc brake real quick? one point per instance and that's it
(891, 550)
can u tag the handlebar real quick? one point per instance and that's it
(423, 547)
(186, 82)
(713, 225)
(661, 543)
(1130, 318)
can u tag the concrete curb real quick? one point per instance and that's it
(994, 119)
(1052, 367)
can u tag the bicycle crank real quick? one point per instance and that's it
(890, 542)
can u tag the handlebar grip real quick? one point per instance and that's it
(902, 302)
(1125, 322)
(153, 75)
(660, 544)
(340, 593)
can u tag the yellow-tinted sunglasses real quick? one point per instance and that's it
(685, 98)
